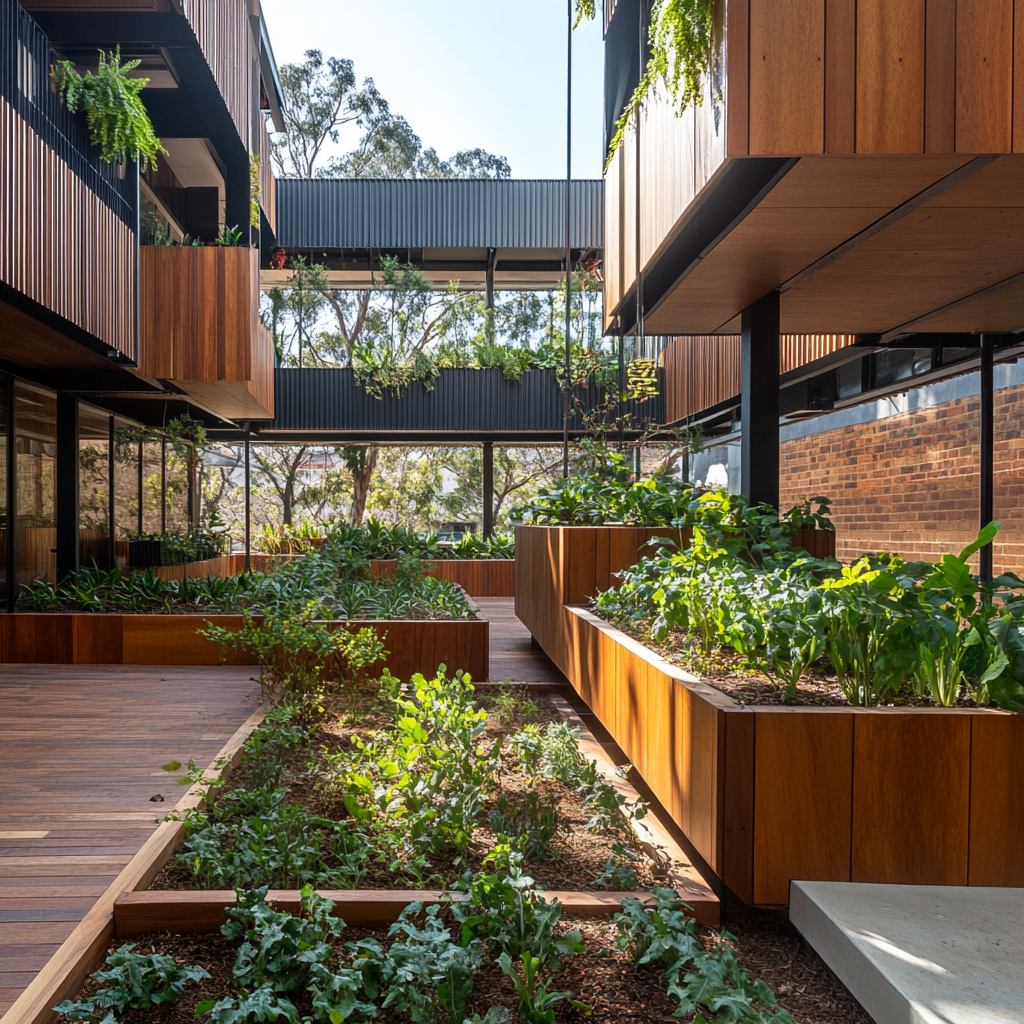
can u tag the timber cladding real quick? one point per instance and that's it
(771, 794)
(478, 577)
(112, 639)
(200, 326)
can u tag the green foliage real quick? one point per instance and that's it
(254, 190)
(660, 934)
(118, 122)
(878, 623)
(680, 38)
(133, 982)
(230, 236)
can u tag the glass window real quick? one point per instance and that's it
(93, 488)
(35, 426)
(4, 393)
(152, 487)
(126, 487)
(177, 492)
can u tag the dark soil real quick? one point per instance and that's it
(726, 670)
(573, 860)
(603, 976)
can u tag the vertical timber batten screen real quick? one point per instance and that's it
(223, 32)
(67, 238)
(703, 370)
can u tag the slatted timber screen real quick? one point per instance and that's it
(66, 219)
(225, 37)
(703, 370)
(268, 184)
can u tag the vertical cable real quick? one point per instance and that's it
(248, 534)
(987, 459)
(568, 242)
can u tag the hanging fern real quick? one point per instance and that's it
(680, 37)
(118, 122)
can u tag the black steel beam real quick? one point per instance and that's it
(759, 435)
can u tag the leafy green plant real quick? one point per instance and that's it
(118, 122)
(134, 981)
(526, 821)
(660, 933)
(535, 997)
(230, 237)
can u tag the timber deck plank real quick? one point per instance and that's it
(512, 656)
(81, 756)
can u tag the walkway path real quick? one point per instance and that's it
(512, 656)
(81, 750)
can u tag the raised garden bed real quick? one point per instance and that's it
(101, 638)
(768, 794)
(479, 577)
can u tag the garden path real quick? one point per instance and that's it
(81, 750)
(512, 656)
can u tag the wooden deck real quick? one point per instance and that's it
(80, 757)
(81, 754)
(512, 656)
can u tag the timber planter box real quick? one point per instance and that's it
(479, 577)
(927, 796)
(913, 796)
(97, 638)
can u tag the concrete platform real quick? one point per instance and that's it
(920, 954)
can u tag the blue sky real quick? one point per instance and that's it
(464, 73)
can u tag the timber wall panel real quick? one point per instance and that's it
(890, 76)
(984, 76)
(911, 798)
(737, 863)
(802, 822)
(940, 85)
(840, 76)
(997, 797)
(268, 183)
(787, 77)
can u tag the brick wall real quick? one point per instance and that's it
(909, 483)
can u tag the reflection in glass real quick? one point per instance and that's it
(93, 488)
(35, 425)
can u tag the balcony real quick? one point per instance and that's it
(200, 328)
(836, 161)
(67, 238)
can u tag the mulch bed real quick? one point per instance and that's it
(575, 857)
(603, 976)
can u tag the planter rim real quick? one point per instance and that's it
(221, 615)
(722, 700)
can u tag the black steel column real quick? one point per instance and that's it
(141, 457)
(11, 526)
(67, 486)
(111, 510)
(489, 291)
(488, 497)
(986, 456)
(759, 437)
(248, 524)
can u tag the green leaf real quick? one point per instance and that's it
(171, 766)
(985, 536)
(203, 1008)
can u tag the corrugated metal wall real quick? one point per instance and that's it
(439, 213)
(475, 401)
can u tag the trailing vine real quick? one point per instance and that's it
(118, 122)
(680, 38)
(390, 378)
(184, 434)
(254, 190)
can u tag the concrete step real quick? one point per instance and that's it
(920, 954)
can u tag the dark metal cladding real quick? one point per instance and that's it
(436, 213)
(470, 401)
